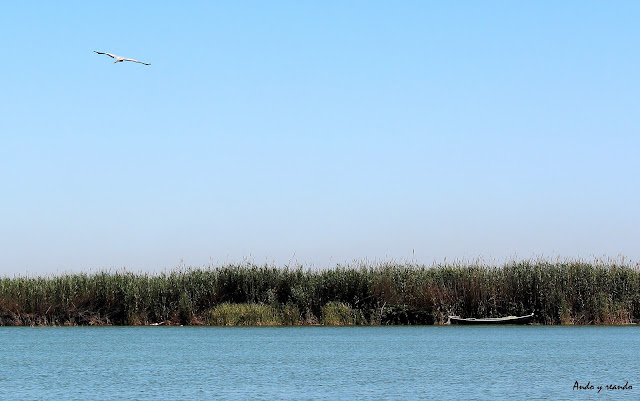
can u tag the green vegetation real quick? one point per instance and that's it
(253, 315)
(570, 292)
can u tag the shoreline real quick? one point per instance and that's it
(559, 293)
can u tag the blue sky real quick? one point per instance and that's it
(316, 133)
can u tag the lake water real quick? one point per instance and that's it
(318, 363)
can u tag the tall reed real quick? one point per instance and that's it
(562, 292)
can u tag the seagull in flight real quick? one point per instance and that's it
(121, 59)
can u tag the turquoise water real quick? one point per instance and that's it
(317, 363)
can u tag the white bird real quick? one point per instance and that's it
(121, 59)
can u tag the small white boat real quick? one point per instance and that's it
(526, 319)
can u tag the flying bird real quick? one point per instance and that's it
(121, 59)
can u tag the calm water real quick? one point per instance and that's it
(321, 363)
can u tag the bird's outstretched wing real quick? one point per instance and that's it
(135, 61)
(108, 54)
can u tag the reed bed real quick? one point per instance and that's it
(566, 292)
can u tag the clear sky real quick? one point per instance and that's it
(316, 132)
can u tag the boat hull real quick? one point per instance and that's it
(498, 320)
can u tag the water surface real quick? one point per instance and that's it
(318, 363)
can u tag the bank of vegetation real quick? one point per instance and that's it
(569, 292)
